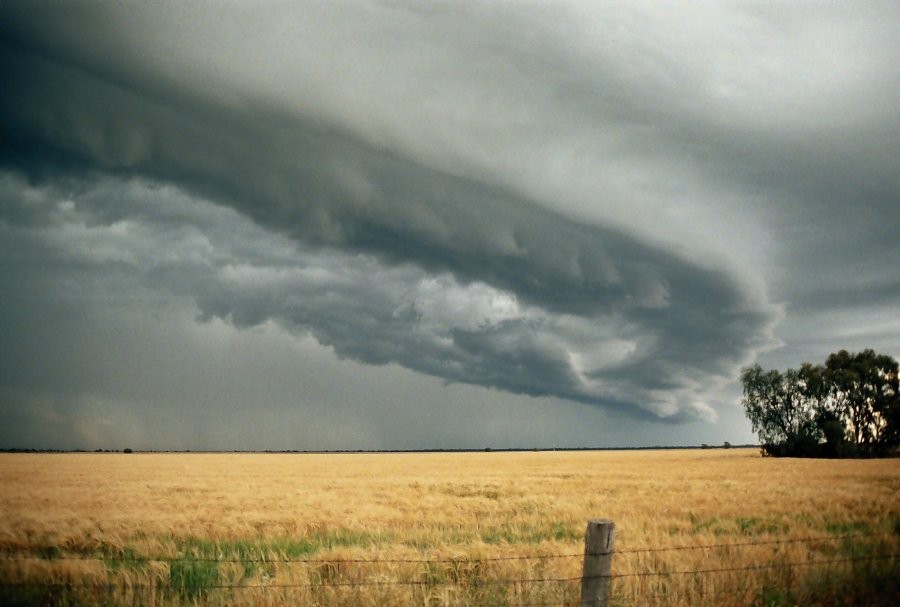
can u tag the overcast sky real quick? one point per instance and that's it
(395, 225)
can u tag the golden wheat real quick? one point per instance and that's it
(463, 511)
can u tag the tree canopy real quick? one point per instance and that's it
(850, 406)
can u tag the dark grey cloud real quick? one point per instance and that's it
(421, 317)
(554, 200)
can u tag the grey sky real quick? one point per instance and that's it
(407, 225)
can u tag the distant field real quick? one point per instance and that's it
(112, 528)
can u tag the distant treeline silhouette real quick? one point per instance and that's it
(848, 407)
(725, 445)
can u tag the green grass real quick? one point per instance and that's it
(193, 579)
(528, 534)
(263, 549)
(847, 527)
(868, 575)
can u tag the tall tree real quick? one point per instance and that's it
(864, 389)
(849, 406)
(782, 410)
(816, 390)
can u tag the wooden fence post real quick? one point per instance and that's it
(598, 552)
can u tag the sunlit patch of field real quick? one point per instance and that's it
(125, 520)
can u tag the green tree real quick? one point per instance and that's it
(849, 406)
(863, 388)
(816, 388)
(782, 408)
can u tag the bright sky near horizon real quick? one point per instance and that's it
(398, 225)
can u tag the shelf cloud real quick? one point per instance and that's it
(548, 200)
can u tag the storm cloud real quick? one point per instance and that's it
(550, 200)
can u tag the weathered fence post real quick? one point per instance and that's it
(598, 552)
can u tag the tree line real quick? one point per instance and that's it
(848, 407)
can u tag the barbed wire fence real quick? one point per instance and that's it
(332, 574)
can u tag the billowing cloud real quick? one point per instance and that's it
(622, 350)
(550, 199)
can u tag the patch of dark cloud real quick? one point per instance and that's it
(378, 253)
(429, 321)
(304, 185)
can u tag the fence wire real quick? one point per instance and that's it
(480, 582)
(468, 583)
(113, 556)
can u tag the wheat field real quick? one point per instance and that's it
(443, 529)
